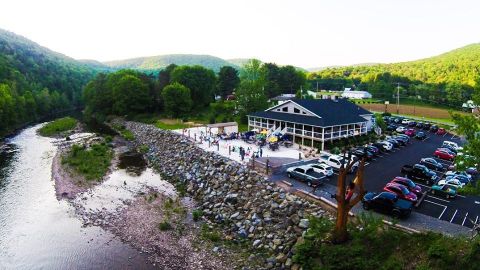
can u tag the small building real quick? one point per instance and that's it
(353, 94)
(317, 120)
(223, 128)
(281, 99)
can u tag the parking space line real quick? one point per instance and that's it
(465, 218)
(438, 199)
(445, 134)
(439, 204)
(422, 185)
(425, 139)
(445, 208)
(476, 220)
(454, 214)
(461, 196)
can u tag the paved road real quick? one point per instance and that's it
(460, 210)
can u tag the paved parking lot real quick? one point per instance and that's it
(462, 210)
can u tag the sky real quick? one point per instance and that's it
(304, 33)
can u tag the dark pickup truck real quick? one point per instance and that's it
(305, 174)
(420, 173)
(387, 203)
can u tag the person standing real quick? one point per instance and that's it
(261, 151)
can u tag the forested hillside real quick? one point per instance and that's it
(155, 63)
(448, 78)
(35, 81)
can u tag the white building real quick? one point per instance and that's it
(355, 94)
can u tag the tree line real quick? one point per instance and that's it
(35, 82)
(449, 79)
(184, 91)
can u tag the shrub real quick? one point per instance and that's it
(143, 149)
(197, 214)
(164, 226)
(209, 233)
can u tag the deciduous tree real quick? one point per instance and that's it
(177, 99)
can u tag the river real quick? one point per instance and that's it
(39, 232)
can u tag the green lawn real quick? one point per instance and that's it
(58, 126)
(179, 125)
(91, 162)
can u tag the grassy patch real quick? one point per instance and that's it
(197, 214)
(470, 189)
(125, 133)
(210, 233)
(171, 125)
(92, 163)
(143, 149)
(373, 246)
(164, 226)
(58, 126)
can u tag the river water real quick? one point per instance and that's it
(39, 232)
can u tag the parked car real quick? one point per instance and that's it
(405, 121)
(464, 173)
(404, 136)
(441, 131)
(452, 145)
(322, 168)
(471, 170)
(444, 190)
(305, 174)
(394, 142)
(391, 127)
(410, 132)
(433, 129)
(412, 124)
(362, 153)
(441, 153)
(400, 129)
(388, 203)
(419, 125)
(409, 184)
(387, 146)
(336, 161)
(397, 120)
(373, 149)
(426, 126)
(420, 173)
(421, 135)
(461, 178)
(401, 191)
(401, 140)
(453, 182)
(432, 164)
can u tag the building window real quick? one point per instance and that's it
(304, 112)
(285, 109)
(295, 110)
(278, 110)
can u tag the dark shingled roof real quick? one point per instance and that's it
(332, 113)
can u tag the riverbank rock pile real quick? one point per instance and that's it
(244, 203)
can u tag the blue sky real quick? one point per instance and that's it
(301, 32)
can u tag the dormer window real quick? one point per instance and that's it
(295, 110)
(285, 109)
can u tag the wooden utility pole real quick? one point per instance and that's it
(345, 203)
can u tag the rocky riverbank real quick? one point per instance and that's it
(241, 203)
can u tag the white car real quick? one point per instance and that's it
(452, 182)
(405, 121)
(453, 173)
(453, 145)
(322, 168)
(400, 129)
(387, 145)
(336, 161)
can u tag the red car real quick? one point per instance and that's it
(441, 131)
(410, 132)
(412, 187)
(401, 191)
(444, 154)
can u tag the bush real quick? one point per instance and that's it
(197, 214)
(58, 126)
(164, 226)
(92, 163)
(335, 150)
(209, 233)
(143, 149)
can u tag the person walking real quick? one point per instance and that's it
(242, 153)
(261, 152)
